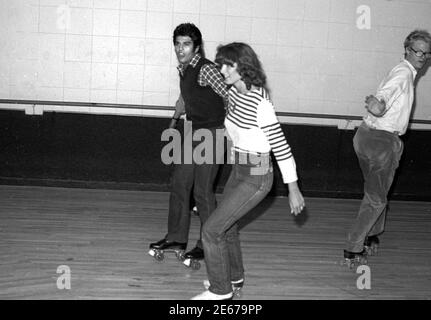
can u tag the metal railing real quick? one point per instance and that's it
(166, 108)
(84, 104)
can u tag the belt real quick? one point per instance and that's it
(258, 158)
(373, 128)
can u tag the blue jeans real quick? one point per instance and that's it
(378, 153)
(248, 184)
(187, 177)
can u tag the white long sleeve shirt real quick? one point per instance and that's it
(253, 127)
(397, 90)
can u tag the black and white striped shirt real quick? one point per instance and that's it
(252, 125)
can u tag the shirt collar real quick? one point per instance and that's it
(181, 68)
(411, 68)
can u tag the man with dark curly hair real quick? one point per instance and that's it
(379, 148)
(202, 99)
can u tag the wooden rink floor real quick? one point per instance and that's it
(103, 237)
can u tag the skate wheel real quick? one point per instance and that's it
(159, 256)
(371, 251)
(348, 263)
(180, 255)
(237, 293)
(195, 265)
(344, 262)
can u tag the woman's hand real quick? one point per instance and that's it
(296, 200)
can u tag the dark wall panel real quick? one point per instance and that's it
(80, 150)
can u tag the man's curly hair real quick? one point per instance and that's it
(249, 66)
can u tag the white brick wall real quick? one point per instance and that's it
(120, 51)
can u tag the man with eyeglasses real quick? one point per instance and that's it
(379, 148)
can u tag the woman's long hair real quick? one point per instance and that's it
(249, 66)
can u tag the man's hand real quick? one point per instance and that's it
(375, 106)
(180, 109)
(173, 124)
(180, 106)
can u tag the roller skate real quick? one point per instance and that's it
(191, 258)
(158, 249)
(352, 259)
(236, 286)
(208, 295)
(371, 245)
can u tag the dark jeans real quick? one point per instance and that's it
(248, 184)
(187, 177)
(378, 153)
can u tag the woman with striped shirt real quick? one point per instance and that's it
(254, 130)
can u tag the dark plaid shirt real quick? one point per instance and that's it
(208, 76)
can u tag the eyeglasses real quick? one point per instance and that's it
(420, 53)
